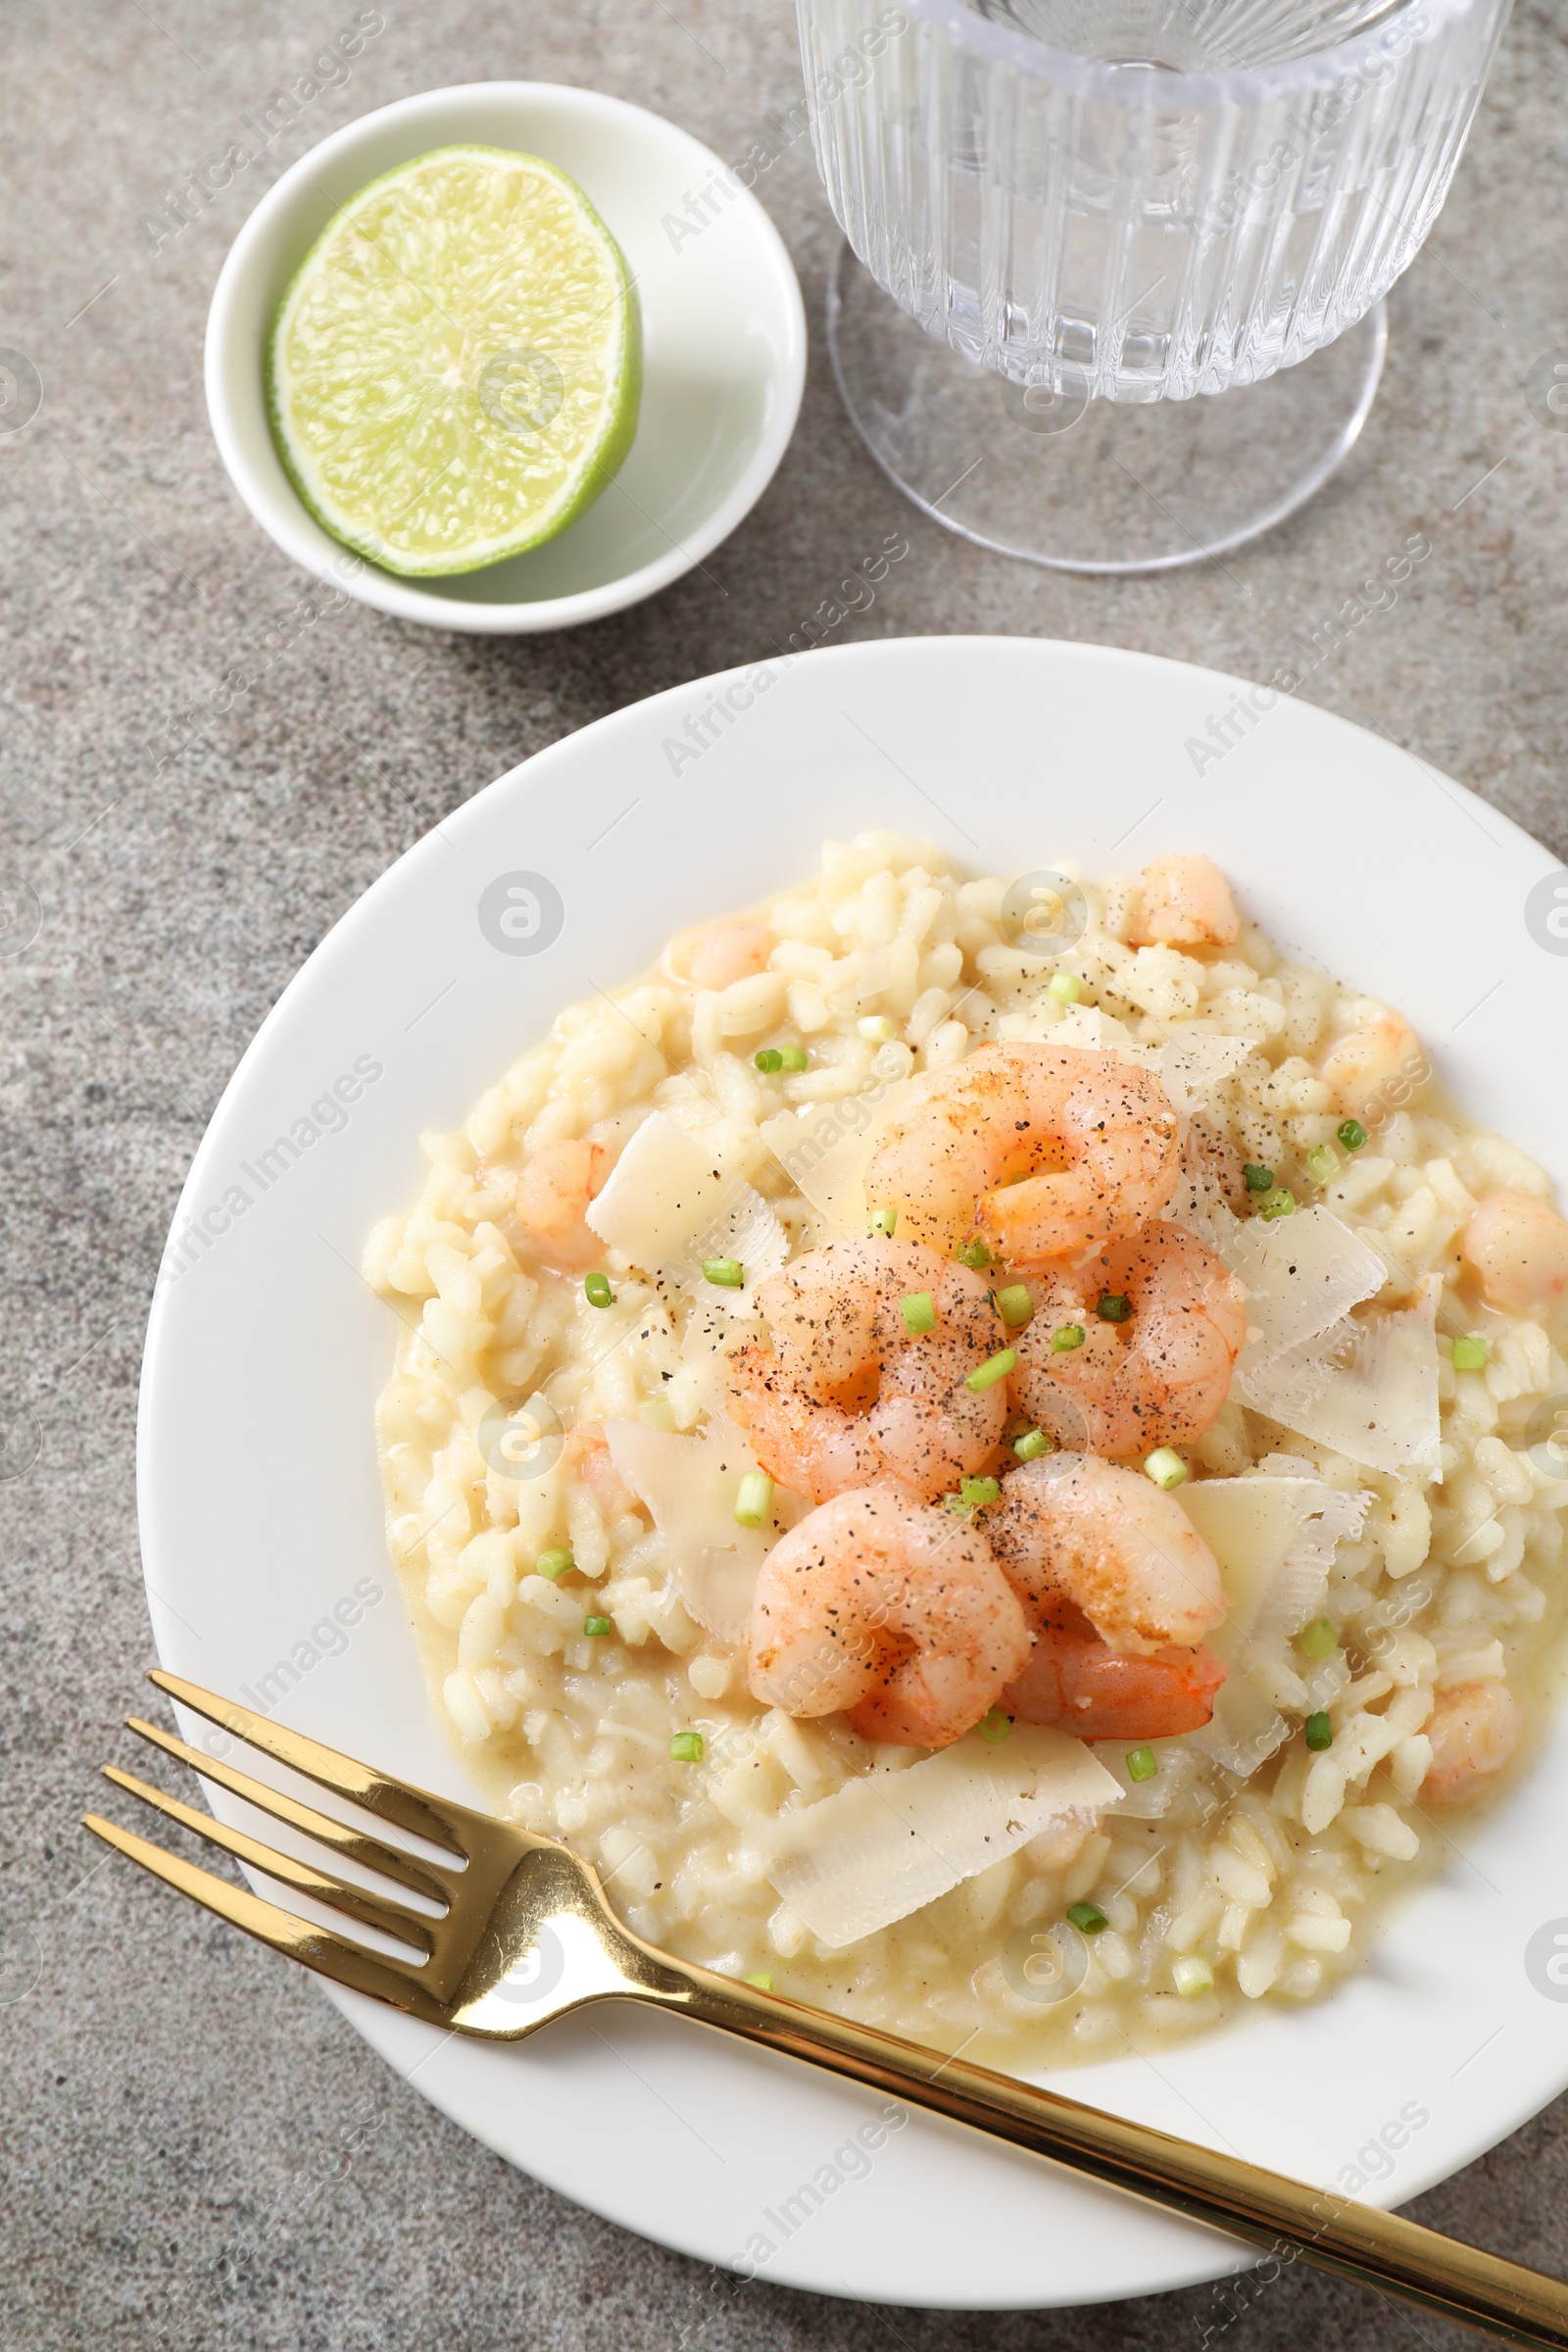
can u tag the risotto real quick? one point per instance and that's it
(987, 1450)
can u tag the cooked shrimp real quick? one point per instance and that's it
(1160, 1377)
(553, 1196)
(890, 1610)
(1518, 1246)
(1041, 1149)
(1476, 1732)
(1069, 1527)
(847, 1394)
(1075, 1678)
(715, 953)
(1375, 1069)
(587, 1452)
(1185, 903)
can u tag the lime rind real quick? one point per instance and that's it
(381, 376)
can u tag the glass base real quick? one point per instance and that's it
(1091, 485)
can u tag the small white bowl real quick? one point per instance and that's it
(723, 350)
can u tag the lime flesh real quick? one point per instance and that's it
(454, 371)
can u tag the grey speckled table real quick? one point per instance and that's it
(176, 2101)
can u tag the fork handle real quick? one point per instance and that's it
(1379, 2250)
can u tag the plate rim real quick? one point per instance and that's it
(389, 2033)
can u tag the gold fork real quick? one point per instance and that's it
(526, 1934)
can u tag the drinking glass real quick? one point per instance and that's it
(1112, 293)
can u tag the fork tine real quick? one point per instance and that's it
(384, 1912)
(393, 1980)
(368, 1852)
(417, 1809)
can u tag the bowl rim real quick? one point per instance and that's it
(289, 525)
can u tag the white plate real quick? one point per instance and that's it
(723, 350)
(259, 1494)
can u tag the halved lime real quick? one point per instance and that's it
(454, 371)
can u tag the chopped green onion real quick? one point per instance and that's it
(687, 1748)
(1469, 1354)
(1190, 1974)
(995, 1726)
(762, 1981)
(656, 1412)
(920, 1313)
(996, 1367)
(975, 1254)
(1165, 1467)
(793, 1057)
(1066, 987)
(1142, 1763)
(876, 1029)
(1086, 1918)
(1352, 1134)
(1258, 1180)
(754, 1499)
(1320, 1730)
(596, 1625)
(769, 1058)
(1319, 1639)
(1278, 1204)
(1067, 1337)
(555, 1565)
(1015, 1305)
(1323, 1164)
(884, 1224)
(1032, 1444)
(728, 1272)
(597, 1291)
(972, 1496)
(1113, 1308)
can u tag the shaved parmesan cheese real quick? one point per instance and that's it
(1273, 1534)
(716, 1328)
(1199, 1205)
(690, 1486)
(1368, 1388)
(718, 1319)
(719, 1586)
(890, 1842)
(1193, 1065)
(1274, 1539)
(664, 1189)
(824, 1150)
(1150, 1799)
(1086, 1025)
(667, 1204)
(1245, 1730)
(1303, 1275)
(688, 1483)
(748, 1229)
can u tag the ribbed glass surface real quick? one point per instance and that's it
(1180, 203)
(1193, 36)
